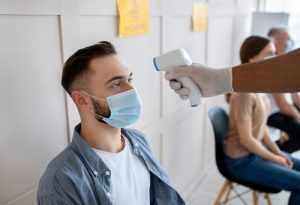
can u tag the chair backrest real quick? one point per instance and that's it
(220, 123)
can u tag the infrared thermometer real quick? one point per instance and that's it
(179, 57)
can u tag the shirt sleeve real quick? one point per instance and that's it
(58, 195)
(47, 200)
(241, 107)
(55, 200)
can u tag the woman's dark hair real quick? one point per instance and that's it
(251, 47)
(76, 68)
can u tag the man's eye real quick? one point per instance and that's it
(116, 84)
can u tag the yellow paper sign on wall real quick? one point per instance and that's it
(199, 16)
(133, 17)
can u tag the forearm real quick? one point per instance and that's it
(296, 99)
(256, 147)
(280, 74)
(297, 107)
(290, 111)
(273, 147)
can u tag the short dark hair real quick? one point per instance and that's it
(252, 46)
(276, 30)
(76, 68)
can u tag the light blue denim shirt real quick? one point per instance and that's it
(79, 176)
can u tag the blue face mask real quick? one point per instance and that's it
(290, 45)
(125, 108)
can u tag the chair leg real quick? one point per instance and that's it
(225, 186)
(228, 193)
(268, 199)
(255, 198)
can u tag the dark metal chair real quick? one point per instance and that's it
(220, 123)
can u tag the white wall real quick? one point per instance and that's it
(293, 8)
(37, 118)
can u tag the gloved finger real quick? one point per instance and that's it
(183, 91)
(178, 72)
(184, 97)
(175, 85)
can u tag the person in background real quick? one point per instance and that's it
(285, 114)
(281, 39)
(106, 163)
(250, 153)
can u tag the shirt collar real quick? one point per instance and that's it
(93, 161)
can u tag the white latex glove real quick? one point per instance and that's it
(211, 81)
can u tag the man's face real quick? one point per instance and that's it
(281, 42)
(109, 76)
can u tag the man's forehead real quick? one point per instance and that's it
(106, 67)
(109, 63)
(282, 35)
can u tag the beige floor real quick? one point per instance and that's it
(207, 192)
(208, 189)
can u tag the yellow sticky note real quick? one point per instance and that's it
(199, 16)
(133, 17)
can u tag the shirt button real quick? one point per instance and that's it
(107, 173)
(136, 144)
(95, 173)
(108, 194)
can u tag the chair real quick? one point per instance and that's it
(220, 123)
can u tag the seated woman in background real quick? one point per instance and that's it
(251, 155)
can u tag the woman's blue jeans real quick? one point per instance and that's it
(254, 169)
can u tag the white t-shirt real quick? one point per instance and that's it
(130, 179)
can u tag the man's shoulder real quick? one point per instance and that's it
(68, 180)
(58, 168)
(135, 132)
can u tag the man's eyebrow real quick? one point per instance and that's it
(117, 78)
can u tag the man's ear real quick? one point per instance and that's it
(80, 100)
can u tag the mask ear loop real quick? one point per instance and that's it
(95, 98)
(92, 96)
(96, 114)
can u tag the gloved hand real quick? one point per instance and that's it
(210, 81)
